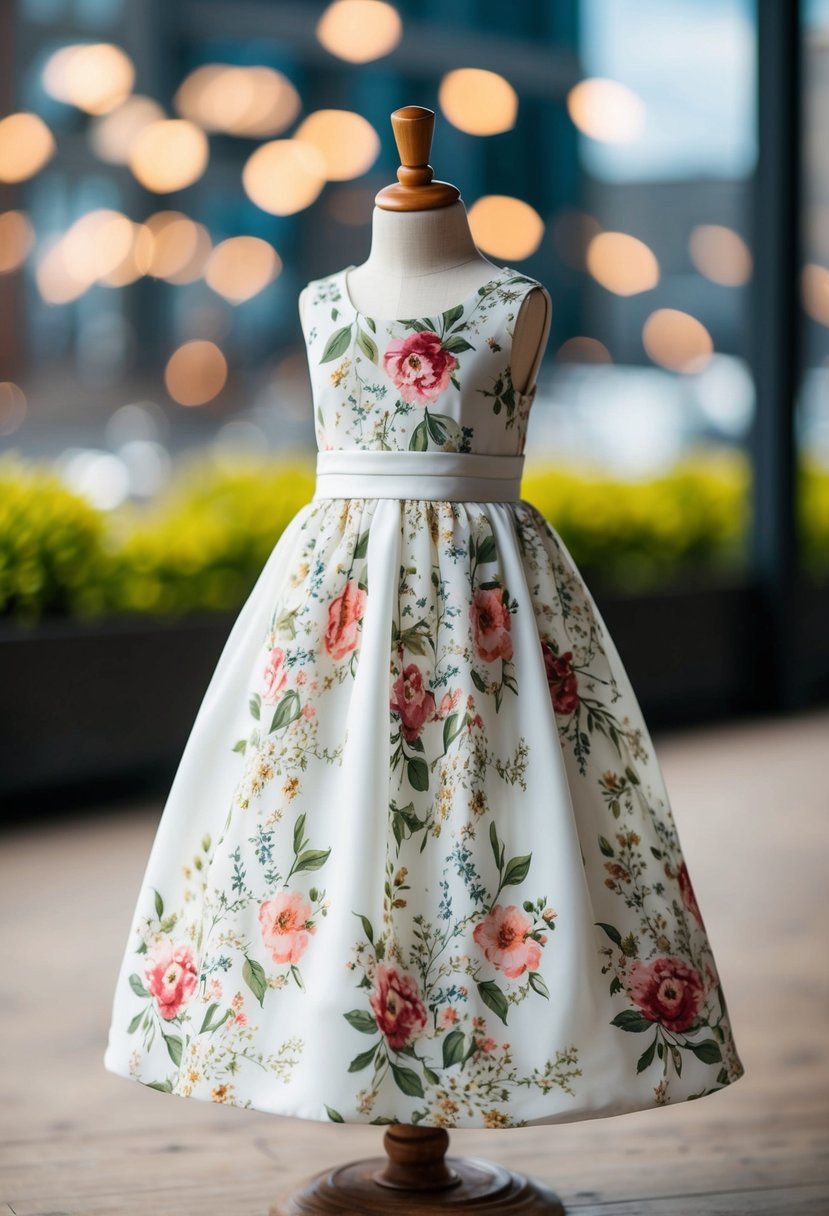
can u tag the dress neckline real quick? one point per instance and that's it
(479, 291)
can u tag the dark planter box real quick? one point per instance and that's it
(105, 708)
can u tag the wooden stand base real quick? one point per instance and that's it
(417, 1179)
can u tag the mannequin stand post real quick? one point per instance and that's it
(416, 1178)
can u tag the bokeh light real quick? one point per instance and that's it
(720, 254)
(478, 102)
(195, 373)
(606, 110)
(814, 292)
(505, 227)
(26, 144)
(622, 264)
(169, 155)
(359, 30)
(284, 176)
(242, 266)
(347, 142)
(94, 76)
(583, 350)
(136, 259)
(676, 340)
(13, 407)
(180, 247)
(17, 238)
(247, 101)
(112, 135)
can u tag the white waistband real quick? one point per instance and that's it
(445, 476)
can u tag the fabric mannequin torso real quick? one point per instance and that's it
(422, 262)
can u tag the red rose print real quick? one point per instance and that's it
(687, 892)
(343, 614)
(412, 701)
(668, 991)
(503, 938)
(285, 928)
(171, 977)
(491, 622)
(561, 678)
(419, 367)
(276, 677)
(396, 1003)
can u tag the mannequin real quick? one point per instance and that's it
(423, 258)
(422, 261)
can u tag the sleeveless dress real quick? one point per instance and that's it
(418, 862)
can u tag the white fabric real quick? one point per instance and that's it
(445, 476)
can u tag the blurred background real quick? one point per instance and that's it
(171, 175)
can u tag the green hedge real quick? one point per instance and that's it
(201, 545)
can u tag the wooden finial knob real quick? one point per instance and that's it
(415, 189)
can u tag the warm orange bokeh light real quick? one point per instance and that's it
(359, 30)
(112, 135)
(249, 101)
(242, 266)
(94, 76)
(347, 142)
(677, 340)
(606, 110)
(720, 254)
(505, 227)
(169, 155)
(814, 292)
(478, 102)
(17, 236)
(195, 373)
(180, 247)
(583, 350)
(26, 144)
(621, 263)
(284, 176)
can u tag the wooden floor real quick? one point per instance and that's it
(752, 805)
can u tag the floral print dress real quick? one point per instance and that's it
(418, 861)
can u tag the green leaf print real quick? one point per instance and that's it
(298, 980)
(497, 847)
(135, 1023)
(646, 1057)
(407, 1080)
(255, 705)
(537, 984)
(164, 1087)
(287, 710)
(366, 345)
(456, 344)
(361, 1020)
(137, 986)
(367, 929)
(361, 548)
(605, 846)
(299, 828)
(450, 317)
(174, 1047)
(311, 859)
(629, 1019)
(486, 550)
(494, 998)
(707, 1051)
(240, 745)
(159, 905)
(614, 934)
(517, 870)
(419, 441)
(253, 974)
(337, 344)
(363, 1059)
(334, 1115)
(454, 1046)
(418, 773)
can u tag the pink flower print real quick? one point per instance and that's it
(308, 711)
(668, 991)
(412, 701)
(419, 367)
(561, 679)
(285, 928)
(171, 977)
(491, 622)
(502, 936)
(276, 677)
(449, 1016)
(397, 1006)
(686, 890)
(344, 613)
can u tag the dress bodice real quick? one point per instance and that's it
(441, 383)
